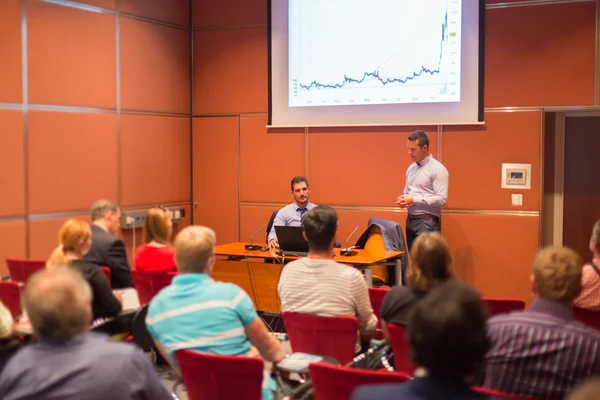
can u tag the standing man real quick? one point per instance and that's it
(426, 189)
(293, 214)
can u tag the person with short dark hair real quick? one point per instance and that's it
(318, 285)
(425, 191)
(69, 362)
(293, 214)
(108, 250)
(448, 339)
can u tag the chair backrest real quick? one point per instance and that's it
(376, 296)
(107, 273)
(401, 348)
(500, 395)
(587, 317)
(149, 283)
(21, 270)
(217, 377)
(503, 306)
(10, 296)
(325, 336)
(270, 224)
(375, 245)
(331, 382)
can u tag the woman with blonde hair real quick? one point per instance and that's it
(156, 254)
(75, 240)
(430, 264)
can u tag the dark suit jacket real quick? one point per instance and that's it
(104, 303)
(108, 250)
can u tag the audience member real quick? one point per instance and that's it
(589, 297)
(108, 250)
(69, 362)
(6, 322)
(318, 285)
(156, 254)
(292, 214)
(542, 351)
(431, 264)
(75, 240)
(448, 339)
(197, 313)
(588, 390)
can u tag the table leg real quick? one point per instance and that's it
(398, 268)
(369, 277)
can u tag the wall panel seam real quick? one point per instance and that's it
(228, 27)
(25, 142)
(118, 111)
(532, 3)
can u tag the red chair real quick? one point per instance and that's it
(503, 306)
(376, 296)
(499, 395)
(21, 270)
(149, 283)
(401, 349)
(325, 336)
(331, 382)
(107, 273)
(216, 377)
(587, 317)
(10, 296)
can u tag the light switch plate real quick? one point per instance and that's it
(517, 199)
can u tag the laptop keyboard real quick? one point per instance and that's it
(295, 253)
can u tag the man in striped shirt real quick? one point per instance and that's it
(589, 298)
(197, 313)
(317, 285)
(542, 351)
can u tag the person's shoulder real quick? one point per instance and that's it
(437, 164)
(401, 292)
(383, 391)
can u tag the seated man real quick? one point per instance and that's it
(318, 285)
(69, 362)
(197, 313)
(589, 298)
(448, 339)
(108, 250)
(292, 214)
(542, 351)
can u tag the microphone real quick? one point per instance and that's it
(254, 246)
(347, 251)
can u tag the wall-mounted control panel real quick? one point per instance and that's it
(135, 218)
(516, 176)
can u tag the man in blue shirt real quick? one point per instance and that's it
(197, 313)
(293, 214)
(69, 362)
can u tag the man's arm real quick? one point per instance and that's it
(367, 321)
(267, 345)
(279, 221)
(440, 190)
(165, 355)
(119, 266)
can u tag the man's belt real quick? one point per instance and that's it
(421, 216)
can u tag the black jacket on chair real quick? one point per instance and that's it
(108, 250)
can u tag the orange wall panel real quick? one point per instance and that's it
(474, 157)
(173, 11)
(265, 175)
(43, 235)
(215, 175)
(12, 244)
(360, 166)
(252, 218)
(229, 12)
(10, 51)
(493, 252)
(230, 71)
(540, 55)
(155, 160)
(61, 68)
(11, 163)
(155, 67)
(108, 4)
(73, 160)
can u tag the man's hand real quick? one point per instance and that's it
(274, 243)
(405, 201)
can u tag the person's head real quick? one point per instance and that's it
(195, 250)
(320, 226)
(430, 262)
(75, 239)
(557, 275)
(158, 225)
(58, 303)
(587, 390)
(447, 331)
(106, 213)
(300, 190)
(418, 146)
(595, 240)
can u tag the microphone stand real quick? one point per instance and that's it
(347, 252)
(254, 246)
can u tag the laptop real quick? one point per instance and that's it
(291, 241)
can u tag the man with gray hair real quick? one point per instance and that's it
(69, 362)
(196, 313)
(107, 249)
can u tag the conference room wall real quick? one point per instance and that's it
(540, 56)
(94, 102)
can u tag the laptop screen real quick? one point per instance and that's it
(290, 238)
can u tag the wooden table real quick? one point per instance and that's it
(259, 279)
